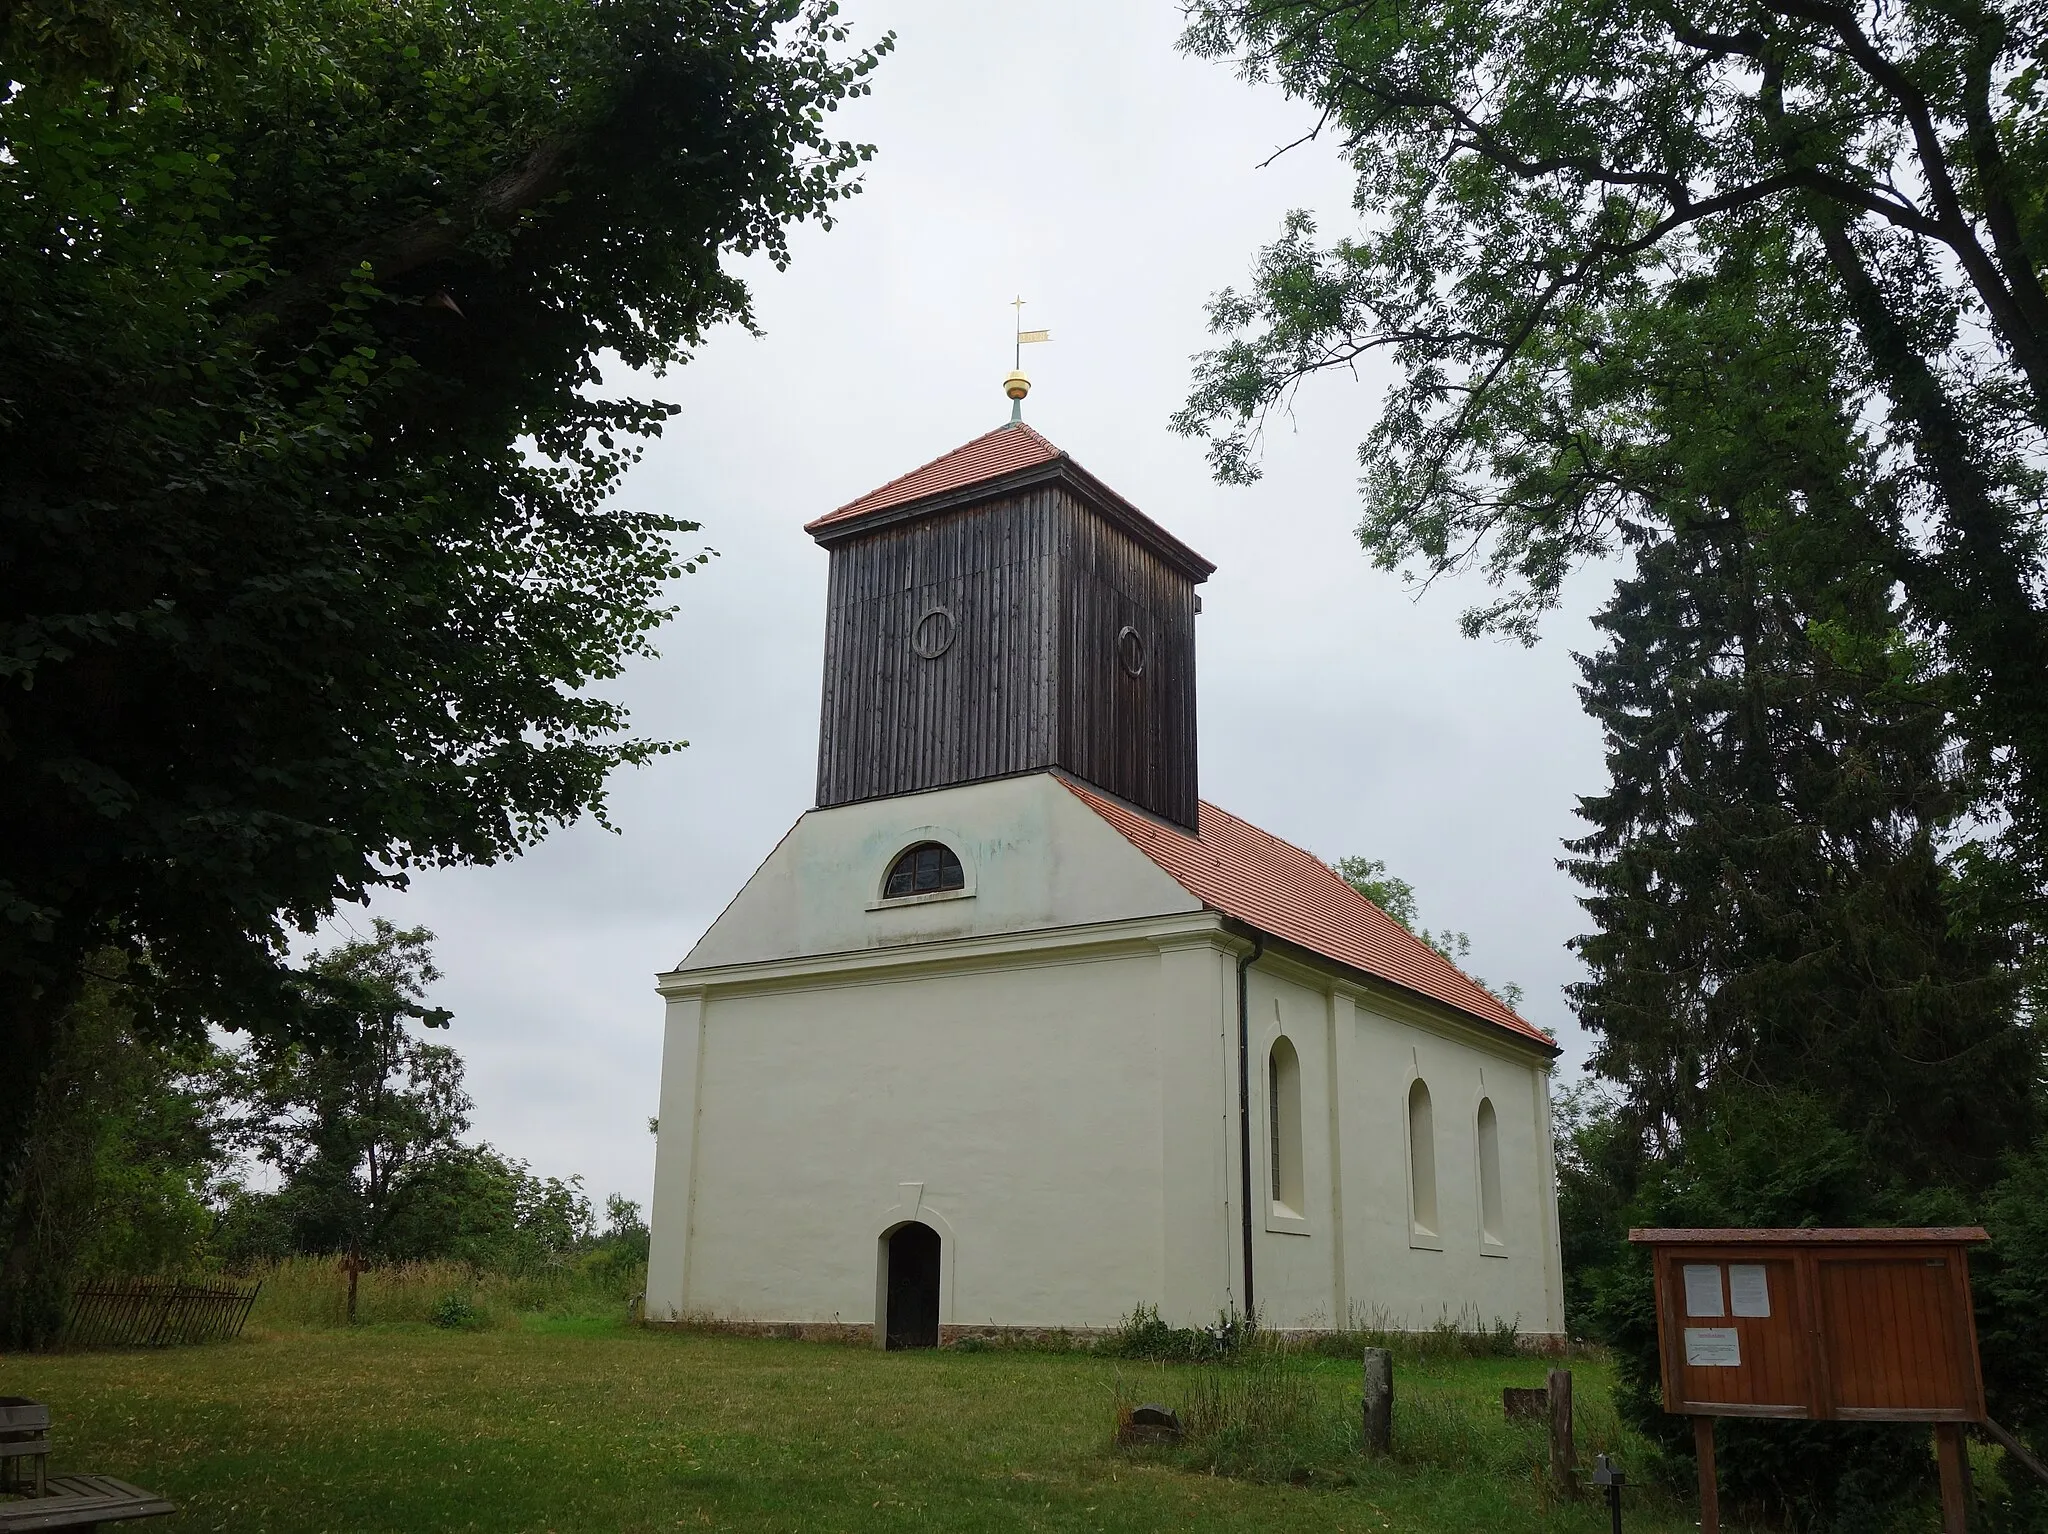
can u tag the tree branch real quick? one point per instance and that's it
(499, 204)
(1994, 188)
(1307, 138)
(2028, 346)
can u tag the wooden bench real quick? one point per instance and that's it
(81, 1502)
(40, 1500)
(24, 1445)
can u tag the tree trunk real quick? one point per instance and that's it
(1976, 585)
(31, 1296)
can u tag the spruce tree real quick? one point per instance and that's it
(1769, 875)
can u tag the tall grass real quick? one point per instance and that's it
(1143, 1335)
(1266, 1419)
(1284, 1410)
(1463, 1335)
(308, 1293)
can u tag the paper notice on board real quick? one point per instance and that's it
(1703, 1289)
(1713, 1347)
(1749, 1290)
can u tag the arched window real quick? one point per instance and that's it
(1491, 1225)
(1421, 1161)
(1283, 1122)
(925, 869)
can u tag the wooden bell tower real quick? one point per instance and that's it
(1002, 611)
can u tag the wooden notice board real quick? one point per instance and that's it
(1825, 1325)
(1857, 1325)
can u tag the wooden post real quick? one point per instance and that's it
(1954, 1459)
(2012, 1446)
(1379, 1400)
(353, 1262)
(1710, 1491)
(1564, 1451)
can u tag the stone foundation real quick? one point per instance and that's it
(1041, 1339)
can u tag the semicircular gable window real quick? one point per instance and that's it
(925, 869)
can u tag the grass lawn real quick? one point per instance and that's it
(582, 1425)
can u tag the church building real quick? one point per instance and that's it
(1013, 1030)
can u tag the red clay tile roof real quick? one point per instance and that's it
(1003, 451)
(1003, 455)
(1234, 867)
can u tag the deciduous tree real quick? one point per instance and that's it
(352, 1122)
(310, 556)
(125, 1146)
(1536, 179)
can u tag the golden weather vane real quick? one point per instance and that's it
(1017, 385)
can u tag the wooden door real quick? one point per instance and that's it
(913, 1320)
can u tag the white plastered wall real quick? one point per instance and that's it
(1020, 1109)
(1354, 1257)
(1005, 1058)
(1043, 1067)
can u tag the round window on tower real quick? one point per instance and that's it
(1130, 651)
(926, 869)
(933, 635)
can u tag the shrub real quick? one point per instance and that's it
(1143, 1335)
(455, 1312)
(1771, 1160)
(2012, 1328)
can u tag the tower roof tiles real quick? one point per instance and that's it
(1012, 457)
(1003, 451)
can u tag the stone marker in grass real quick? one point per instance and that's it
(1379, 1400)
(1150, 1424)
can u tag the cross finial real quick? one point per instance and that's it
(1017, 385)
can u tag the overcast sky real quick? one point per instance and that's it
(1062, 150)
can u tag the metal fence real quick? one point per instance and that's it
(157, 1312)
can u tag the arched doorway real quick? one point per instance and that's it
(913, 1318)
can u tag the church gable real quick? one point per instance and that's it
(1031, 857)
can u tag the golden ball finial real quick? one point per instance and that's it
(1016, 386)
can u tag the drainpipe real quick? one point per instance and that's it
(1244, 1108)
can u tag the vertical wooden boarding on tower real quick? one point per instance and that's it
(1025, 620)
